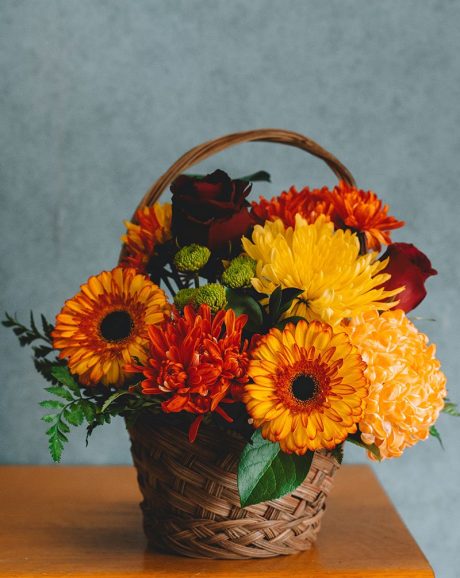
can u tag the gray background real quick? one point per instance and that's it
(98, 98)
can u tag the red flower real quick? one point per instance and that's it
(310, 204)
(410, 268)
(211, 211)
(196, 363)
(363, 211)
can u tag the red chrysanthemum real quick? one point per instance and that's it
(310, 204)
(363, 212)
(197, 362)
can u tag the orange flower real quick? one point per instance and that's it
(307, 203)
(308, 387)
(196, 362)
(363, 212)
(104, 326)
(153, 228)
(407, 387)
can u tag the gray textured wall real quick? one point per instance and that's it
(98, 98)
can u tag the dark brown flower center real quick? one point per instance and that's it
(116, 326)
(304, 387)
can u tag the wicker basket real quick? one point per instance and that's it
(191, 504)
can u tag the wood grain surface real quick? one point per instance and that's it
(85, 521)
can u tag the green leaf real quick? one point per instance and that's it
(60, 392)
(62, 374)
(112, 398)
(89, 410)
(357, 441)
(259, 176)
(451, 408)
(52, 404)
(55, 446)
(274, 304)
(49, 418)
(266, 473)
(245, 304)
(435, 433)
(74, 414)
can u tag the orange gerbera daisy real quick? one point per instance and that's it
(307, 203)
(105, 325)
(407, 387)
(197, 362)
(308, 387)
(152, 227)
(363, 212)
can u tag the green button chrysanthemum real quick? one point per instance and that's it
(184, 297)
(192, 258)
(213, 295)
(240, 272)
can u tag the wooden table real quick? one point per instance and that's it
(85, 521)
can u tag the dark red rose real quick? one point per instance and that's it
(410, 268)
(210, 211)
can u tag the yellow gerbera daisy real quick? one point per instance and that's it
(407, 387)
(104, 326)
(308, 387)
(337, 281)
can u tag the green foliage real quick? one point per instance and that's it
(267, 473)
(258, 176)
(357, 441)
(260, 318)
(28, 335)
(451, 408)
(435, 433)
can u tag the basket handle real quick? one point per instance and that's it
(209, 148)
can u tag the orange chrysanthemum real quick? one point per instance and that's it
(307, 203)
(105, 325)
(152, 227)
(308, 387)
(363, 212)
(407, 387)
(197, 362)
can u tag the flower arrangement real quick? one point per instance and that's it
(283, 322)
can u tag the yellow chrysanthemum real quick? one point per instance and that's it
(105, 325)
(308, 387)
(337, 281)
(152, 227)
(407, 387)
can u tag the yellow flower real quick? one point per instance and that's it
(105, 325)
(152, 227)
(308, 387)
(407, 387)
(337, 281)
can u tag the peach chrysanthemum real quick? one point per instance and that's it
(152, 227)
(306, 202)
(105, 326)
(308, 387)
(407, 387)
(363, 212)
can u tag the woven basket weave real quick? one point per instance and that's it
(191, 504)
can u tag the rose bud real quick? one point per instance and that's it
(211, 211)
(409, 268)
